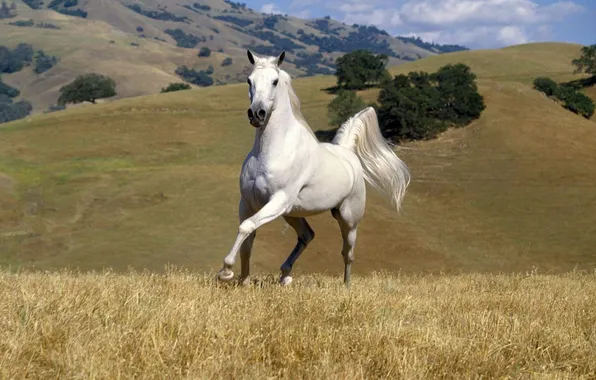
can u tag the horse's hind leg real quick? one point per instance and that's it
(348, 215)
(305, 235)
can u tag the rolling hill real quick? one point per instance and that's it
(152, 180)
(141, 43)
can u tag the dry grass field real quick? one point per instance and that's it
(181, 325)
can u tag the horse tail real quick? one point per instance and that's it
(382, 168)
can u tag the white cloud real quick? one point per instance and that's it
(474, 23)
(451, 12)
(512, 35)
(271, 8)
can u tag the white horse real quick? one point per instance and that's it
(289, 173)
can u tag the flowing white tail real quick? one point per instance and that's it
(382, 168)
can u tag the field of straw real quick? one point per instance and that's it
(178, 324)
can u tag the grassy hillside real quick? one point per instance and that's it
(178, 325)
(140, 44)
(152, 180)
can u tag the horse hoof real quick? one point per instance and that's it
(225, 275)
(287, 280)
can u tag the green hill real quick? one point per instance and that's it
(153, 180)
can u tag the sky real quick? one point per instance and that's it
(476, 24)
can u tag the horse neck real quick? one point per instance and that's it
(282, 124)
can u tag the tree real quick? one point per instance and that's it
(87, 87)
(44, 62)
(227, 62)
(344, 105)
(421, 105)
(356, 69)
(587, 61)
(176, 87)
(460, 101)
(204, 52)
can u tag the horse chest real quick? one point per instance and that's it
(259, 182)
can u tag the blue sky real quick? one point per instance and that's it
(473, 23)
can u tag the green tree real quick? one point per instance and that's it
(227, 62)
(87, 87)
(344, 105)
(360, 67)
(44, 62)
(587, 61)
(176, 87)
(420, 105)
(460, 101)
(204, 52)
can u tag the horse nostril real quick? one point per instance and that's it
(250, 114)
(262, 114)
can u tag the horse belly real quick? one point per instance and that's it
(326, 190)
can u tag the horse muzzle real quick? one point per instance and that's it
(257, 119)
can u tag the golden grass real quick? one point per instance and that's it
(181, 325)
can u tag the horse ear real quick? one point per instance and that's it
(251, 58)
(281, 57)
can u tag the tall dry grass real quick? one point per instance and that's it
(181, 325)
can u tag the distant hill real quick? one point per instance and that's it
(142, 43)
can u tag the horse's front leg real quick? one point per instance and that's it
(275, 208)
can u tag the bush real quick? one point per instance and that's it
(199, 78)
(8, 91)
(14, 111)
(546, 85)
(87, 87)
(204, 52)
(344, 105)
(44, 62)
(227, 62)
(580, 104)
(12, 61)
(569, 96)
(182, 39)
(176, 87)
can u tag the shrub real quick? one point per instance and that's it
(44, 62)
(580, 104)
(204, 52)
(176, 87)
(14, 111)
(227, 62)
(567, 94)
(8, 91)
(199, 78)
(182, 39)
(546, 85)
(12, 61)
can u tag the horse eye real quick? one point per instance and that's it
(275, 82)
(248, 81)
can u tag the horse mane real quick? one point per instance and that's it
(286, 80)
